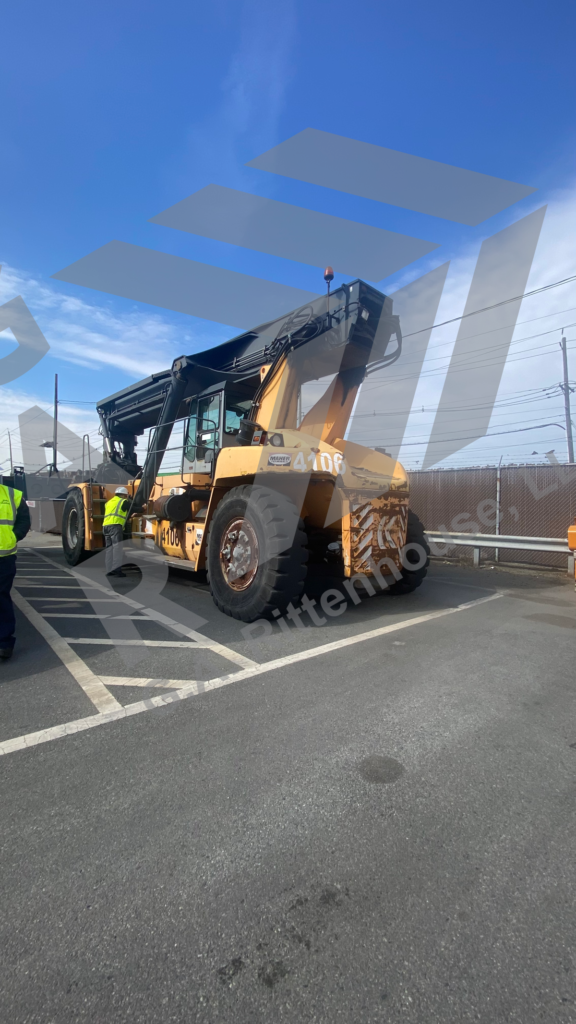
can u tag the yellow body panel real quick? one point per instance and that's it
(351, 490)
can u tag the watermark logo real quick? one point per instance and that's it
(359, 250)
(32, 345)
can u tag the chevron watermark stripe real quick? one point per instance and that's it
(183, 285)
(388, 176)
(294, 233)
(473, 379)
(382, 414)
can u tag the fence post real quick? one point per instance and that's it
(498, 502)
(476, 558)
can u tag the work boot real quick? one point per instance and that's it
(5, 653)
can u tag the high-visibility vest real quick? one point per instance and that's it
(9, 505)
(112, 514)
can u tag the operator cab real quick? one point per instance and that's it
(213, 423)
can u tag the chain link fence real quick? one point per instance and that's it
(529, 501)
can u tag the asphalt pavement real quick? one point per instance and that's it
(366, 820)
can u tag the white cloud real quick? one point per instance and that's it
(533, 362)
(96, 336)
(92, 336)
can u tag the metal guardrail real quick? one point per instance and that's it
(499, 541)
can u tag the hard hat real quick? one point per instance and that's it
(121, 490)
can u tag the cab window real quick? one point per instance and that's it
(203, 428)
(236, 410)
(208, 423)
(191, 431)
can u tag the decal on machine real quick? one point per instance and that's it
(199, 535)
(279, 460)
(323, 464)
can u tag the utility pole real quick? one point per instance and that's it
(566, 389)
(11, 460)
(498, 505)
(55, 434)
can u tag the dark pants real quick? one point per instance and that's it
(113, 537)
(7, 620)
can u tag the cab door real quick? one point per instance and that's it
(202, 437)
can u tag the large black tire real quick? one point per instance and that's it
(259, 530)
(413, 578)
(73, 529)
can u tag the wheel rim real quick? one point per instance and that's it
(72, 528)
(239, 554)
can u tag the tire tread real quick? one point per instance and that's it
(283, 576)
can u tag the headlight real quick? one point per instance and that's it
(277, 440)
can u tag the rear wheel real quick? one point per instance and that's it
(256, 553)
(73, 529)
(418, 556)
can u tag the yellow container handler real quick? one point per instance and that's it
(262, 485)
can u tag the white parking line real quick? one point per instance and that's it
(190, 689)
(213, 645)
(144, 681)
(456, 583)
(49, 586)
(72, 615)
(92, 685)
(187, 644)
(75, 600)
(172, 624)
(95, 615)
(41, 574)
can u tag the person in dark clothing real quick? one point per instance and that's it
(14, 525)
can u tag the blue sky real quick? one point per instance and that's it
(113, 112)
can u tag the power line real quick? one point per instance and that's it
(491, 348)
(494, 330)
(497, 406)
(474, 437)
(440, 371)
(505, 302)
(550, 440)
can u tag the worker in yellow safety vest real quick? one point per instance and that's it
(115, 512)
(14, 525)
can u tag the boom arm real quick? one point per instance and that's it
(162, 432)
(346, 342)
(347, 335)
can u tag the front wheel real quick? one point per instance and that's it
(418, 556)
(256, 553)
(73, 529)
